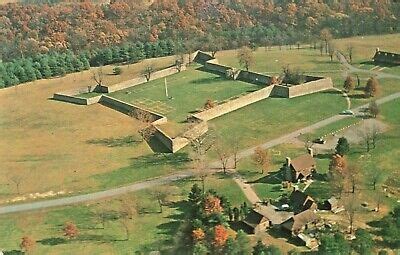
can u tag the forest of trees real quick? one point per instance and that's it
(131, 30)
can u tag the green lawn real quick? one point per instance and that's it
(190, 90)
(273, 61)
(151, 230)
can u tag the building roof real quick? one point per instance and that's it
(387, 57)
(300, 201)
(269, 213)
(298, 221)
(253, 219)
(303, 164)
(276, 217)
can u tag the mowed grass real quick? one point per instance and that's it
(274, 117)
(274, 60)
(189, 91)
(150, 230)
(52, 145)
(364, 47)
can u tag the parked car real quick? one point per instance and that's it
(347, 112)
(319, 141)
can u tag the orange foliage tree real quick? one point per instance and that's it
(212, 205)
(220, 236)
(70, 230)
(198, 234)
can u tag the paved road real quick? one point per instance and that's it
(170, 178)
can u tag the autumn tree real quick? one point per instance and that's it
(353, 176)
(148, 71)
(220, 236)
(336, 183)
(27, 244)
(373, 109)
(349, 84)
(212, 205)
(338, 164)
(179, 62)
(373, 88)
(70, 230)
(262, 158)
(198, 235)
(245, 57)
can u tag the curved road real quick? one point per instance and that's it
(185, 174)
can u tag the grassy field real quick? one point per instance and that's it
(49, 145)
(365, 46)
(150, 230)
(190, 91)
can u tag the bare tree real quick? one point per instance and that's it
(148, 71)
(179, 62)
(374, 177)
(17, 180)
(373, 109)
(223, 155)
(162, 194)
(98, 76)
(370, 135)
(27, 244)
(351, 206)
(262, 158)
(128, 211)
(375, 134)
(245, 57)
(336, 183)
(235, 151)
(331, 50)
(326, 36)
(353, 176)
(350, 49)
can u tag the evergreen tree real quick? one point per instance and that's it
(334, 244)
(196, 194)
(342, 147)
(20, 73)
(364, 243)
(260, 248)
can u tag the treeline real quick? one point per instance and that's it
(56, 64)
(26, 29)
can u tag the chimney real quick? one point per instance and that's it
(311, 152)
(288, 161)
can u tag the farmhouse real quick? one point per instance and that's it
(300, 168)
(301, 202)
(384, 57)
(300, 222)
(262, 217)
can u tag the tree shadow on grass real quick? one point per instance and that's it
(52, 241)
(324, 156)
(208, 80)
(13, 252)
(173, 160)
(116, 142)
(271, 178)
(205, 70)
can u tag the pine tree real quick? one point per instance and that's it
(342, 147)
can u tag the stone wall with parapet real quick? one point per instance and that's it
(70, 96)
(316, 84)
(255, 78)
(214, 66)
(310, 87)
(234, 104)
(140, 80)
(126, 108)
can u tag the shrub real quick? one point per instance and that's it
(117, 70)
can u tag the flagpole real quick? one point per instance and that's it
(166, 87)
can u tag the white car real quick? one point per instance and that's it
(347, 112)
